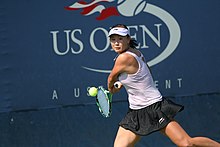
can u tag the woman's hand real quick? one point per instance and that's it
(115, 88)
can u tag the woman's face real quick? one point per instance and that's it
(119, 43)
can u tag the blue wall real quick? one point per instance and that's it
(52, 51)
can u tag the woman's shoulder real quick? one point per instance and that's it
(129, 56)
(124, 56)
(135, 52)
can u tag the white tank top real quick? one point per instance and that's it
(140, 85)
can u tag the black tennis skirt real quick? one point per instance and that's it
(151, 118)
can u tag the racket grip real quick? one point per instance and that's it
(117, 84)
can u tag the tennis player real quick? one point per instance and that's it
(148, 110)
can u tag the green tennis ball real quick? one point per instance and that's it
(93, 91)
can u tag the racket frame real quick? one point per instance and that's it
(108, 97)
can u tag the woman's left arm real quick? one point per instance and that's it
(120, 66)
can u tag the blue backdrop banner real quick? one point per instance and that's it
(51, 52)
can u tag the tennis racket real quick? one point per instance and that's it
(104, 100)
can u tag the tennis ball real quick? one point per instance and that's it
(93, 91)
(135, 7)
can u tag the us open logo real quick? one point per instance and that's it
(131, 8)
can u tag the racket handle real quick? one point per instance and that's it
(117, 84)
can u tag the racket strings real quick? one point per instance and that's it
(103, 100)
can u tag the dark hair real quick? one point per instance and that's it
(133, 43)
